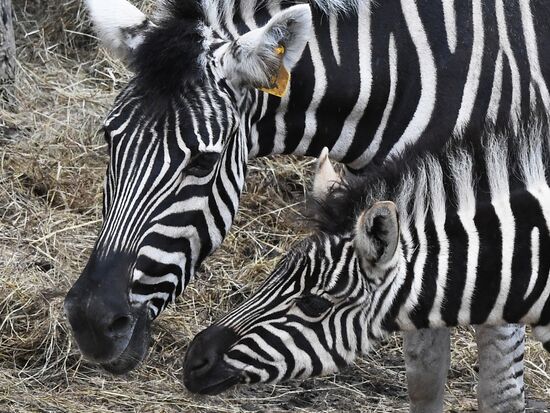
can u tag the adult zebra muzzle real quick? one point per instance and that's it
(204, 370)
(107, 329)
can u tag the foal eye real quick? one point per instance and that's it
(313, 305)
(202, 164)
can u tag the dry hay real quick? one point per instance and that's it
(52, 162)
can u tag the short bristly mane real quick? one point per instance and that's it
(403, 179)
(169, 55)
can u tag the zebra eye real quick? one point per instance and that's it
(202, 164)
(313, 305)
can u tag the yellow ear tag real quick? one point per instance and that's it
(279, 82)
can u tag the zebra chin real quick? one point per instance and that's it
(121, 354)
(135, 351)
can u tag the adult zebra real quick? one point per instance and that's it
(369, 82)
(442, 238)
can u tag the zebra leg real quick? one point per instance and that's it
(427, 359)
(500, 353)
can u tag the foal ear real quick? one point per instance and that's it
(325, 176)
(264, 57)
(377, 235)
(120, 25)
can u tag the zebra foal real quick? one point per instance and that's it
(434, 239)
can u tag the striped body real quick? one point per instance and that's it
(471, 230)
(373, 79)
(368, 84)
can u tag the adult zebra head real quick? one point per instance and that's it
(308, 317)
(177, 138)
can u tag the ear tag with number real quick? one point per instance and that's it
(280, 81)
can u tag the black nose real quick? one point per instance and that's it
(101, 320)
(204, 369)
(118, 326)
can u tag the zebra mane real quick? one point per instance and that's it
(169, 56)
(415, 179)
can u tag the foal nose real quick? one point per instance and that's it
(205, 353)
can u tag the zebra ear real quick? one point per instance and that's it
(325, 176)
(119, 25)
(377, 236)
(264, 57)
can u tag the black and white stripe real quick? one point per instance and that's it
(370, 82)
(374, 78)
(473, 225)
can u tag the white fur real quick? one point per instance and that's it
(449, 16)
(508, 51)
(437, 200)
(319, 89)
(497, 171)
(374, 146)
(110, 17)
(496, 91)
(462, 170)
(420, 210)
(334, 39)
(535, 251)
(532, 52)
(474, 71)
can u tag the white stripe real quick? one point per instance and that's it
(318, 93)
(474, 70)
(333, 29)
(534, 262)
(210, 9)
(461, 167)
(367, 156)
(248, 8)
(420, 209)
(254, 129)
(532, 95)
(342, 145)
(228, 6)
(437, 198)
(428, 79)
(142, 278)
(450, 23)
(515, 109)
(161, 256)
(533, 316)
(497, 173)
(496, 91)
(540, 190)
(280, 124)
(531, 45)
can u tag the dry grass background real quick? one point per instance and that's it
(52, 162)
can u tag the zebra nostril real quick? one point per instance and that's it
(119, 326)
(202, 365)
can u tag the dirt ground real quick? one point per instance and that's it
(52, 162)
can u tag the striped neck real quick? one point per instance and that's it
(473, 225)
